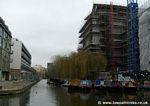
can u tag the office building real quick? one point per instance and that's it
(21, 65)
(5, 50)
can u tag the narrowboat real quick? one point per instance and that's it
(99, 85)
(66, 83)
(146, 85)
(107, 85)
(57, 82)
(129, 87)
(85, 85)
(50, 81)
(115, 86)
(73, 85)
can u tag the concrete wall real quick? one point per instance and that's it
(96, 39)
(144, 39)
(15, 74)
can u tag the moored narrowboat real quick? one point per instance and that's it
(73, 85)
(56, 82)
(85, 85)
(50, 81)
(66, 83)
(115, 86)
(146, 85)
(129, 86)
(99, 85)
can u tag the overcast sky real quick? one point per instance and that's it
(47, 27)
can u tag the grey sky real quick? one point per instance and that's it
(47, 27)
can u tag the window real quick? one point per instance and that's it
(94, 21)
(95, 29)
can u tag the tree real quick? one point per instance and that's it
(79, 65)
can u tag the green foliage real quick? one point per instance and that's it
(79, 65)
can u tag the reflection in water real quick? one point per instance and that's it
(84, 97)
(47, 95)
(15, 100)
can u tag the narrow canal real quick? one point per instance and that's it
(42, 94)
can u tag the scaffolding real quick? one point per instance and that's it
(112, 35)
(105, 31)
(133, 40)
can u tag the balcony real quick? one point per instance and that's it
(93, 46)
(86, 24)
(80, 39)
(80, 46)
(85, 32)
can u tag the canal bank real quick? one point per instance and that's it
(15, 87)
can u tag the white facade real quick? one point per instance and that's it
(21, 57)
(16, 48)
(144, 38)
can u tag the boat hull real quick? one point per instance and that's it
(115, 89)
(129, 89)
(85, 89)
(72, 88)
(101, 88)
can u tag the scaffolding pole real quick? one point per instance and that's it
(112, 35)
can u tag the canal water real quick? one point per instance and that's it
(42, 94)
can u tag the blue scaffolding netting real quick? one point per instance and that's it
(133, 40)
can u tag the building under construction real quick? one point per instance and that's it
(105, 31)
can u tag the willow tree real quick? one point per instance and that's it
(79, 65)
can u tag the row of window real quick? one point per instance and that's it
(5, 40)
(5, 63)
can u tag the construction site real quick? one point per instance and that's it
(121, 33)
(105, 31)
